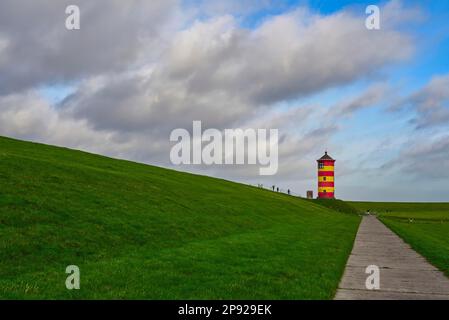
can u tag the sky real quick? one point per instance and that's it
(376, 100)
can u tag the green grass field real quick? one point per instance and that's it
(425, 226)
(139, 231)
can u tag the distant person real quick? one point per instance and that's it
(273, 188)
(277, 189)
(288, 191)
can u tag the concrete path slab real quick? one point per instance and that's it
(404, 274)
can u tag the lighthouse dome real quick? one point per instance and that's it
(325, 157)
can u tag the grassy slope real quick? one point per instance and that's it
(425, 226)
(139, 231)
(336, 205)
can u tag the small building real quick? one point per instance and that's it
(309, 194)
(326, 177)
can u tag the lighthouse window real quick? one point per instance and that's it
(321, 165)
(324, 191)
(324, 178)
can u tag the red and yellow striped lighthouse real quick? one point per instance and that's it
(326, 177)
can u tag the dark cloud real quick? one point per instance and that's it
(38, 49)
(220, 73)
(432, 103)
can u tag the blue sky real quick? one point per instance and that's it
(381, 111)
(375, 126)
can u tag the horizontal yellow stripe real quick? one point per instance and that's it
(326, 168)
(328, 179)
(328, 189)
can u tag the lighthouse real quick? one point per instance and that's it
(326, 177)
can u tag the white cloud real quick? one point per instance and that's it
(139, 75)
(222, 74)
(430, 104)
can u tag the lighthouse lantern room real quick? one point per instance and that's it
(326, 177)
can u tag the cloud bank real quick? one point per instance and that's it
(143, 68)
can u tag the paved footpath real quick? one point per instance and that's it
(404, 274)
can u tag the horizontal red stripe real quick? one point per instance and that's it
(327, 195)
(325, 173)
(327, 162)
(325, 184)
